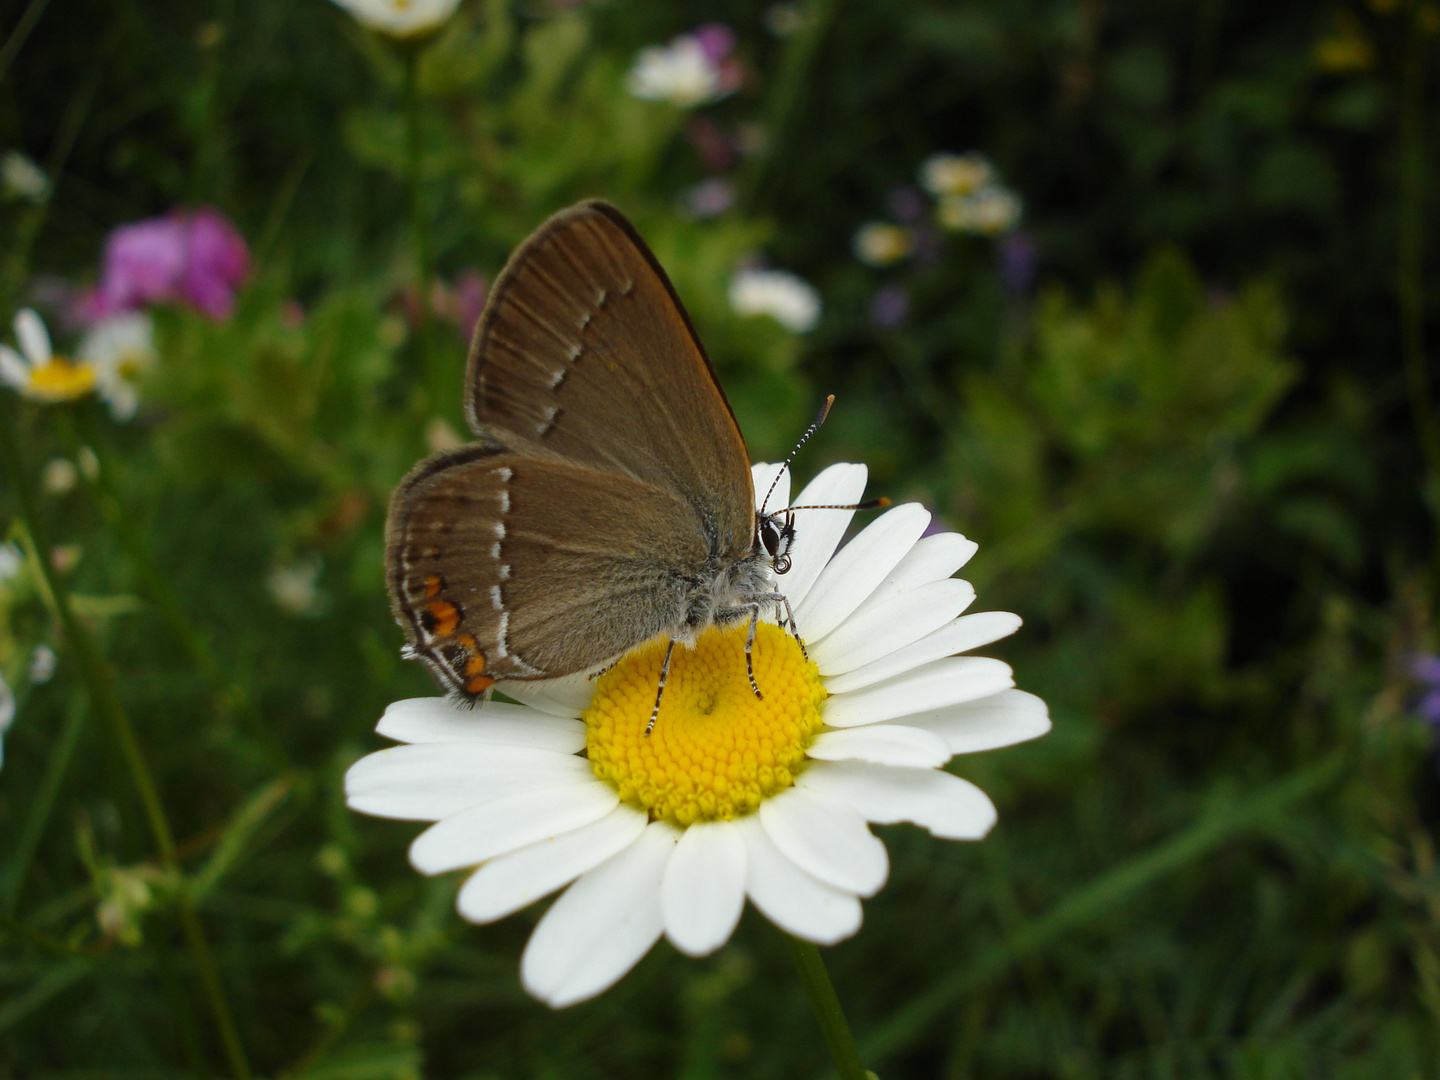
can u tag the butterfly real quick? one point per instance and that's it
(607, 498)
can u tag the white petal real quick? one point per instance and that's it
(826, 839)
(439, 720)
(1006, 718)
(879, 629)
(818, 532)
(14, 371)
(569, 696)
(965, 633)
(763, 474)
(703, 892)
(857, 568)
(508, 883)
(33, 337)
(943, 682)
(945, 805)
(791, 898)
(602, 925)
(932, 558)
(427, 782)
(884, 744)
(509, 822)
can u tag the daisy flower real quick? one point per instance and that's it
(789, 300)
(988, 212)
(35, 371)
(730, 797)
(400, 18)
(693, 69)
(120, 348)
(956, 174)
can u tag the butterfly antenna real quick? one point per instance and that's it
(872, 504)
(819, 419)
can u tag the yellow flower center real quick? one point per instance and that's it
(716, 750)
(60, 380)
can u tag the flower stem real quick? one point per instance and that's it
(419, 234)
(105, 700)
(827, 1010)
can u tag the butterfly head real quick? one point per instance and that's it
(775, 532)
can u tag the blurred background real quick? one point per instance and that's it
(1135, 295)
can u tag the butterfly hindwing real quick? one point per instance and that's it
(462, 523)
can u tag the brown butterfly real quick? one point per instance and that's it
(607, 498)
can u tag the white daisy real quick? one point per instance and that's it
(729, 797)
(880, 244)
(789, 300)
(956, 174)
(684, 72)
(989, 211)
(35, 371)
(400, 18)
(120, 348)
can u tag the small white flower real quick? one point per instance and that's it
(59, 476)
(7, 714)
(11, 562)
(400, 18)
(22, 178)
(956, 174)
(43, 662)
(880, 244)
(989, 212)
(35, 371)
(120, 348)
(709, 198)
(729, 797)
(789, 300)
(682, 73)
(296, 588)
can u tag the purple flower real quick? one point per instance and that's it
(889, 306)
(1017, 253)
(1425, 669)
(194, 257)
(716, 40)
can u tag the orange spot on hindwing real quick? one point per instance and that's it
(470, 662)
(440, 617)
(433, 584)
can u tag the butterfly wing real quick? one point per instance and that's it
(464, 526)
(585, 350)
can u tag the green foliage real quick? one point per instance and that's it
(1187, 450)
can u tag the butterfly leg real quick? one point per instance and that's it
(781, 600)
(660, 690)
(749, 645)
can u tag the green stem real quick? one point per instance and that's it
(827, 1009)
(57, 764)
(782, 111)
(419, 234)
(105, 700)
(18, 36)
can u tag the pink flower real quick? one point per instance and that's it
(194, 257)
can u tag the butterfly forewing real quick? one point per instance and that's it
(585, 349)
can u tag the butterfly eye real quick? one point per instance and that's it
(770, 536)
(777, 534)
